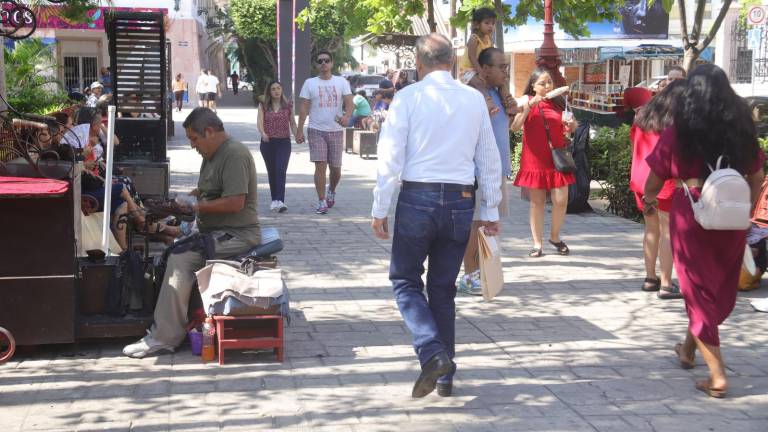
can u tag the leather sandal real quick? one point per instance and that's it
(705, 386)
(562, 248)
(669, 292)
(536, 253)
(684, 364)
(651, 284)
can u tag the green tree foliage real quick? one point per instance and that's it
(30, 77)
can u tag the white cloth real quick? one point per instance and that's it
(212, 84)
(327, 101)
(91, 101)
(77, 136)
(437, 131)
(202, 84)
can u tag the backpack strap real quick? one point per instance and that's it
(688, 194)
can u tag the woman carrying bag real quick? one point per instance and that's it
(544, 152)
(276, 123)
(179, 90)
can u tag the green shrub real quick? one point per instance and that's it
(29, 70)
(610, 158)
(516, 149)
(763, 142)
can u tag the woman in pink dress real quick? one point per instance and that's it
(711, 121)
(651, 119)
(537, 170)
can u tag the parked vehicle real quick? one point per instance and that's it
(369, 83)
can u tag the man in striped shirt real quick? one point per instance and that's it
(436, 135)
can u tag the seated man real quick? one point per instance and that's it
(226, 219)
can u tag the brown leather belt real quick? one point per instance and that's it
(691, 183)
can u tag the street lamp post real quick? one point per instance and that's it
(549, 57)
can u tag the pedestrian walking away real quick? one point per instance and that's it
(322, 98)
(235, 78)
(708, 262)
(542, 121)
(179, 87)
(276, 123)
(653, 116)
(437, 134)
(214, 89)
(494, 71)
(226, 218)
(201, 88)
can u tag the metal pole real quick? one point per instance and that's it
(105, 232)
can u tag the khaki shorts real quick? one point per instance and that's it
(503, 205)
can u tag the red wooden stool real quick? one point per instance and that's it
(249, 331)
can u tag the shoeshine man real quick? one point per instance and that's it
(322, 99)
(226, 217)
(437, 135)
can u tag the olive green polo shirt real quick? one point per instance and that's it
(231, 171)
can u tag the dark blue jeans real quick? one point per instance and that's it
(434, 225)
(276, 153)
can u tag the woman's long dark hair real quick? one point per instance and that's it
(268, 96)
(712, 120)
(659, 113)
(535, 75)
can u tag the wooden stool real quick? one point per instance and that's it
(249, 331)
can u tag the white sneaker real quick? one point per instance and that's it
(281, 207)
(273, 206)
(146, 346)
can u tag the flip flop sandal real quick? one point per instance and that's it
(562, 248)
(684, 364)
(669, 293)
(651, 284)
(536, 253)
(704, 386)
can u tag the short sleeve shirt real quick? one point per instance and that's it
(362, 107)
(212, 83)
(327, 101)
(500, 123)
(230, 172)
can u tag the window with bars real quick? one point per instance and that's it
(79, 72)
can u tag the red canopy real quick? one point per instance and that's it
(16, 186)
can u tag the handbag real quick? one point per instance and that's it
(562, 157)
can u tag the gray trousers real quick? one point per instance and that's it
(173, 301)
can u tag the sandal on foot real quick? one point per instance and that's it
(651, 284)
(535, 253)
(562, 248)
(685, 364)
(704, 385)
(669, 293)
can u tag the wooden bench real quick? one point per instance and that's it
(250, 332)
(364, 143)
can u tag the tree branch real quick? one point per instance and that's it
(698, 19)
(683, 23)
(715, 25)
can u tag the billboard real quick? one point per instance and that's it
(637, 21)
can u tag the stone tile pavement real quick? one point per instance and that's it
(572, 344)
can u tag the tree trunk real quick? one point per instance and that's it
(453, 14)
(431, 16)
(497, 5)
(689, 58)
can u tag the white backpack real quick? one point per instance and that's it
(725, 201)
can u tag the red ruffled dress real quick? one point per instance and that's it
(537, 170)
(643, 143)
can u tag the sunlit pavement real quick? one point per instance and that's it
(572, 344)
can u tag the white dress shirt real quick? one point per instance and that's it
(437, 131)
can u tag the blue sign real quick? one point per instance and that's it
(638, 21)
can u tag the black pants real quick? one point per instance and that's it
(276, 153)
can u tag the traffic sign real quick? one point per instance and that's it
(757, 15)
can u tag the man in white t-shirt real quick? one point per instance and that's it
(214, 89)
(322, 98)
(201, 88)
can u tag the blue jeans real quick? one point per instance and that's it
(276, 153)
(435, 225)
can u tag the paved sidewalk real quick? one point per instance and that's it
(572, 344)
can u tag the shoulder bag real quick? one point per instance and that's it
(562, 157)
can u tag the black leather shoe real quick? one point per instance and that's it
(436, 367)
(444, 389)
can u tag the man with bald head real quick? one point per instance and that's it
(437, 138)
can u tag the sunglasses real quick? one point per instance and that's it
(323, 61)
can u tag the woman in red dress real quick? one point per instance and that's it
(537, 170)
(651, 119)
(711, 121)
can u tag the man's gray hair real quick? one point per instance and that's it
(434, 50)
(201, 118)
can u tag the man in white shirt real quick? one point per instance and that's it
(201, 88)
(322, 99)
(214, 89)
(437, 133)
(96, 89)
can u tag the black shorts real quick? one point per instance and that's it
(211, 97)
